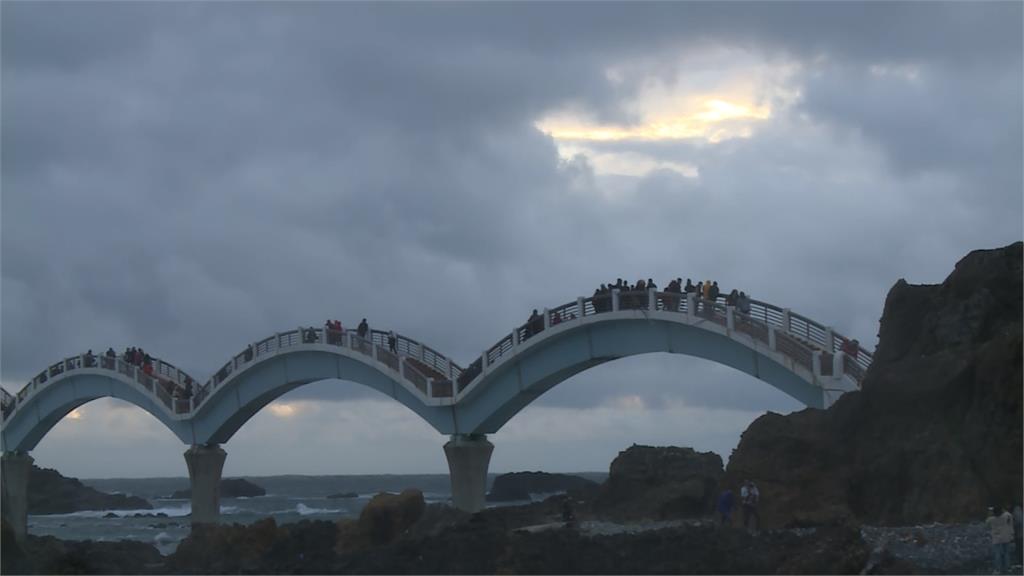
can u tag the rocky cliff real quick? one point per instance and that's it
(51, 493)
(520, 485)
(659, 483)
(935, 433)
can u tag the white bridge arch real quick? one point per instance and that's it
(802, 358)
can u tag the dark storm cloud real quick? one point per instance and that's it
(192, 177)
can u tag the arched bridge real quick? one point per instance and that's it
(791, 352)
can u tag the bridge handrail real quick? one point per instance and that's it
(797, 336)
(346, 338)
(162, 372)
(800, 344)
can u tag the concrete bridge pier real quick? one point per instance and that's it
(16, 467)
(468, 458)
(205, 463)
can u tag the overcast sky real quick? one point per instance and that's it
(190, 177)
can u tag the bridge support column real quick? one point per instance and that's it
(16, 467)
(468, 458)
(205, 464)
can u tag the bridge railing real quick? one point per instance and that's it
(162, 380)
(797, 337)
(377, 345)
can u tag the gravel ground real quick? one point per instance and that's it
(938, 548)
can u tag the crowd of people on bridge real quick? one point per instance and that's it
(634, 296)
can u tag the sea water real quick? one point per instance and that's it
(288, 499)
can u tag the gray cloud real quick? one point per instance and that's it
(193, 177)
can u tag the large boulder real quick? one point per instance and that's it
(51, 493)
(385, 517)
(230, 488)
(660, 483)
(935, 433)
(520, 485)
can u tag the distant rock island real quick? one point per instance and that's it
(229, 488)
(51, 493)
(344, 495)
(520, 485)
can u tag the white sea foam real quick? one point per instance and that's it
(170, 512)
(304, 510)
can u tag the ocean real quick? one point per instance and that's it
(288, 499)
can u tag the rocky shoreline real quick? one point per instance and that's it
(529, 539)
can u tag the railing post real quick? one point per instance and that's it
(547, 319)
(838, 364)
(772, 342)
(730, 318)
(401, 366)
(830, 340)
(786, 324)
(483, 361)
(515, 338)
(430, 385)
(373, 349)
(690, 303)
(816, 363)
(651, 304)
(581, 306)
(615, 299)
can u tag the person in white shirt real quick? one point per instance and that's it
(749, 497)
(1000, 523)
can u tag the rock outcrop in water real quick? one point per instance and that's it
(51, 493)
(520, 485)
(660, 483)
(230, 488)
(934, 435)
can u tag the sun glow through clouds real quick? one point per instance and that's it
(703, 122)
(282, 410)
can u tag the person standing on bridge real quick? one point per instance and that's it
(743, 303)
(851, 348)
(363, 329)
(393, 342)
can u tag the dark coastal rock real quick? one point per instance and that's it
(262, 547)
(935, 433)
(481, 547)
(51, 493)
(229, 488)
(48, 555)
(520, 485)
(660, 483)
(384, 518)
(344, 495)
